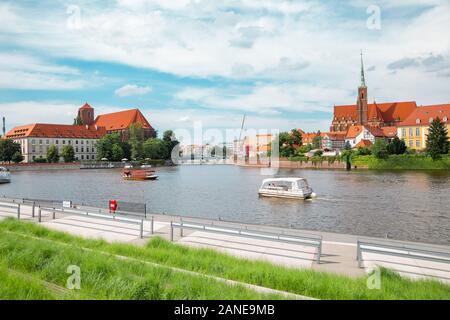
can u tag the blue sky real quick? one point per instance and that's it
(283, 63)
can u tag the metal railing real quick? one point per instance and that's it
(401, 249)
(311, 241)
(71, 211)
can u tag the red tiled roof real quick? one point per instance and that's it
(389, 132)
(363, 144)
(388, 112)
(56, 131)
(122, 120)
(339, 135)
(422, 115)
(353, 132)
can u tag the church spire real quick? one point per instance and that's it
(363, 78)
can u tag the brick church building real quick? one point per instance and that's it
(116, 122)
(370, 114)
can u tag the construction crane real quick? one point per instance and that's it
(240, 134)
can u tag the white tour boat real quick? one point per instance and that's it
(5, 175)
(291, 188)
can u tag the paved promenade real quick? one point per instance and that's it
(338, 252)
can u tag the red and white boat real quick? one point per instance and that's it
(128, 174)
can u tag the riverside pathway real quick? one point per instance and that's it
(338, 254)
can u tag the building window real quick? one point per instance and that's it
(404, 132)
(82, 142)
(76, 141)
(418, 143)
(33, 141)
(40, 141)
(417, 131)
(76, 149)
(411, 143)
(82, 149)
(47, 142)
(64, 141)
(410, 131)
(56, 142)
(82, 157)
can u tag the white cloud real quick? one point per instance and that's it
(21, 71)
(268, 99)
(132, 90)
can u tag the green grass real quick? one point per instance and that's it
(299, 281)
(402, 162)
(102, 276)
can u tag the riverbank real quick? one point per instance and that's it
(401, 162)
(161, 270)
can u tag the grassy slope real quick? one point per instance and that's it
(304, 282)
(102, 277)
(402, 162)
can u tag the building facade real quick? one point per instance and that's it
(36, 139)
(414, 129)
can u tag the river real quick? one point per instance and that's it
(406, 205)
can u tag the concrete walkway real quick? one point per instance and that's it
(338, 251)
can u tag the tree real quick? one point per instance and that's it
(396, 146)
(53, 154)
(363, 151)
(117, 153)
(347, 145)
(297, 138)
(68, 153)
(379, 149)
(17, 157)
(8, 149)
(286, 144)
(317, 142)
(437, 139)
(170, 141)
(136, 134)
(155, 149)
(112, 147)
(78, 121)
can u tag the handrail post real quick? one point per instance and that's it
(18, 211)
(319, 252)
(142, 229)
(359, 254)
(171, 231)
(32, 210)
(54, 214)
(181, 228)
(152, 225)
(39, 214)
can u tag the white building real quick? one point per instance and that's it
(36, 139)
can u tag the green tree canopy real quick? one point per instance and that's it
(8, 150)
(155, 149)
(437, 139)
(396, 146)
(170, 141)
(379, 149)
(53, 154)
(113, 148)
(68, 153)
(136, 134)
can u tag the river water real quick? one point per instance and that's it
(406, 205)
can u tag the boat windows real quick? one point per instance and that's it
(278, 185)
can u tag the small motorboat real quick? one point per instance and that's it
(139, 175)
(5, 175)
(291, 188)
(146, 166)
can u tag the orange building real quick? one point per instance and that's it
(118, 121)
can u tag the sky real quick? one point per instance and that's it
(284, 64)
